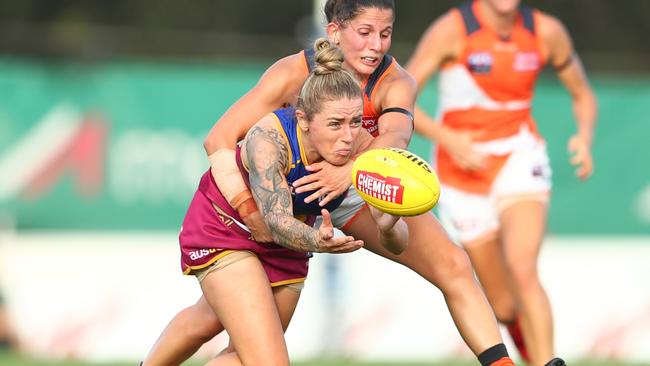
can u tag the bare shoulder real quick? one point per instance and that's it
(286, 75)
(397, 89)
(449, 25)
(549, 26)
(444, 38)
(267, 125)
(267, 122)
(556, 41)
(400, 78)
(291, 67)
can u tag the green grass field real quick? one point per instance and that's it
(15, 360)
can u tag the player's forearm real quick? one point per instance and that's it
(291, 233)
(399, 139)
(428, 127)
(585, 108)
(226, 173)
(395, 239)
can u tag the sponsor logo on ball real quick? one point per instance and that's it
(375, 185)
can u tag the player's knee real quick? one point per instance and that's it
(201, 324)
(525, 278)
(457, 267)
(504, 310)
(207, 330)
(503, 301)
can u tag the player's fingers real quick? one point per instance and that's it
(581, 173)
(314, 167)
(472, 164)
(476, 135)
(308, 187)
(577, 158)
(327, 198)
(476, 163)
(316, 195)
(585, 170)
(307, 179)
(327, 218)
(347, 247)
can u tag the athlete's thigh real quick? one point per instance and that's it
(286, 300)
(523, 225)
(242, 298)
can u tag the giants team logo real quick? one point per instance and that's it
(526, 61)
(480, 62)
(376, 185)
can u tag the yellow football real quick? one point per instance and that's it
(396, 181)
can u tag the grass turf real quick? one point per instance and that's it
(10, 359)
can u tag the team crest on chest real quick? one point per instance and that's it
(526, 61)
(480, 62)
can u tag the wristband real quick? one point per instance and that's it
(240, 198)
(247, 208)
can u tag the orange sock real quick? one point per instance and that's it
(518, 339)
(504, 361)
(496, 355)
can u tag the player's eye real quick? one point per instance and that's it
(334, 124)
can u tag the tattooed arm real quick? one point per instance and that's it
(267, 156)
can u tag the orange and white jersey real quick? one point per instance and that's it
(489, 90)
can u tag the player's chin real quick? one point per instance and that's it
(340, 157)
(366, 68)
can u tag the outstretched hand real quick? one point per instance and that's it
(327, 243)
(327, 180)
(459, 146)
(581, 158)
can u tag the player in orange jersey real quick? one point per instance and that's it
(491, 160)
(363, 30)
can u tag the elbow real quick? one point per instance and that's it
(402, 141)
(398, 241)
(218, 140)
(406, 140)
(396, 247)
(209, 144)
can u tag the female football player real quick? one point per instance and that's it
(362, 29)
(491, 159)
(252, 287)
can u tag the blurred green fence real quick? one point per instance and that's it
(118, 146)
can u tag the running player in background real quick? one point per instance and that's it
(363, 30)
(491, 160)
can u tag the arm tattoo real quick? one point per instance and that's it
(267, 153)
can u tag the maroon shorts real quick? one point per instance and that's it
(210, 230)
